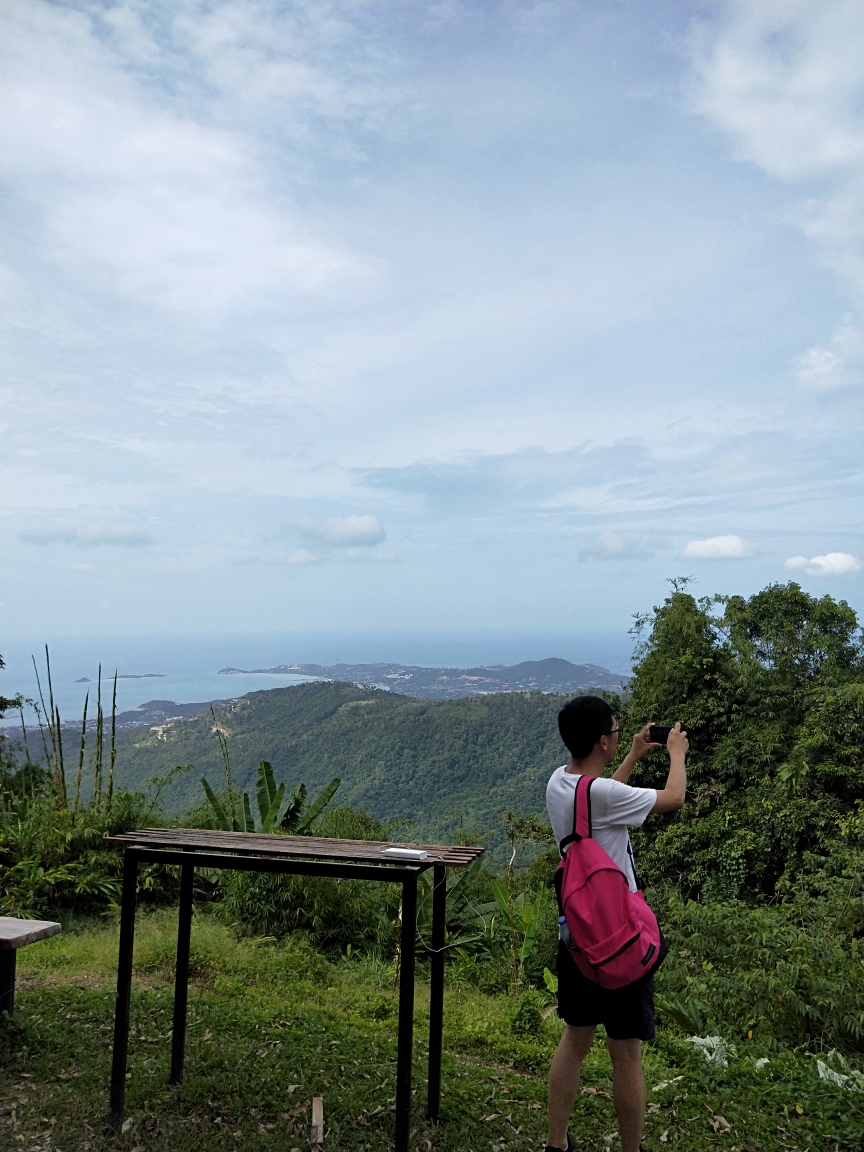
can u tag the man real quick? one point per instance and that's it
(590, 731)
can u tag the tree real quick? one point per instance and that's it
(770, 691)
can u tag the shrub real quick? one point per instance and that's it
(335, 913)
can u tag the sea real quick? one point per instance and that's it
(186, 669)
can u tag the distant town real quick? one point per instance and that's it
(551, 675)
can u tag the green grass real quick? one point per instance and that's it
(272, 1026)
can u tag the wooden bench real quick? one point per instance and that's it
(14, 934)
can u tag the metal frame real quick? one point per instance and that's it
(8, 958)
(189, 859)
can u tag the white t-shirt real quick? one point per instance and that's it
(613, 806)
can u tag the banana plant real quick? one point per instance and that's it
(524, 918)
(460, 923)
(297, 818)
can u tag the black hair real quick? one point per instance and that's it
(582, 722)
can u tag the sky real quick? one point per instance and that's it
(402, 316)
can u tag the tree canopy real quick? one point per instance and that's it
(770, 691)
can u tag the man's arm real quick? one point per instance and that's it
(640, 746)
(673, 796)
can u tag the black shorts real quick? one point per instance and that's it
(626, 1014)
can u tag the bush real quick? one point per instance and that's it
(791, 974)
(53, 858)
(335, 913)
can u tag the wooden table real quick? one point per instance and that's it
(14, 934)
(297, 855)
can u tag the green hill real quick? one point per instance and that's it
(433, 763)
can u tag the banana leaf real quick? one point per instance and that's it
(218, 810)
(317, 806)
(293, 812)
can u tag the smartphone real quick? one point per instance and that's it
(659, 733)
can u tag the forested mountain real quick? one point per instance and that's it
(433, 763)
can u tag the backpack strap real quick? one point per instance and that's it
(633, 865)
(581, 812)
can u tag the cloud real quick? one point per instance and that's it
(44, 538)
(340, 531)
(612, 546)
(824, 369)
(782, 81)
(357, 531)
(304, 556)
(718, 548)
(168, 207)
(97, 536)
(110, 537)
(831, 564)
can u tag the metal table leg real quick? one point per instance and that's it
(181, 976)
(124, 990)
(8, 958)
(436, 989)
(406, 1012)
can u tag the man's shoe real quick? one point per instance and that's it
(571, 1146)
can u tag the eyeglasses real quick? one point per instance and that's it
(614, 732)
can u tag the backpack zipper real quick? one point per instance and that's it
(615, 955)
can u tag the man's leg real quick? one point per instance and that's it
(628, 1091)
(564, 1080)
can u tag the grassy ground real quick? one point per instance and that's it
(270, 1027)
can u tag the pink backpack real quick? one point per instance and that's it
(614, 935)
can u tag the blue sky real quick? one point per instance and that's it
(412, 316)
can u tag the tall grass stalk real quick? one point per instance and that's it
(100, 724)
(56, 737)
(61, 773)
(38, 712)
(49, 720)
(24, 732)
(222, 737)
(81, 750)
(59, 766)
(113, 745)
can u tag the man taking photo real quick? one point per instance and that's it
(590, 732)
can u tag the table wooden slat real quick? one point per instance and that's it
(309, 847)
(15, 933)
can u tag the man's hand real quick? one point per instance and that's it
(673, 796)
(642, 744)
(640, 747)
(677, 742)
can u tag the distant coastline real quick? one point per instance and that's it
(552, 675)
(126, 676)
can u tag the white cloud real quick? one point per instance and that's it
(824, 369)
(339, 531)
(357, 531)
(166, 208)
(831, 564)
(819, 368)
(96, 536)
(612, 546)
(101, 536)
(783, 82)
(304, 556)
(718, 548)
(48, 536)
